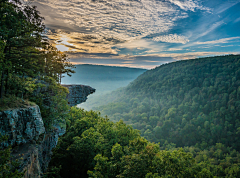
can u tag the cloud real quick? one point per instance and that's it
(172, 38)
(146, 61)
(237, 20)
(223, 40)
(174, 49)
(125, 20)
(210, 28)
(189, 5)
(132, 32)
(225, 6)
(85, 43)
(141, 44)
(150, 51)
(107, 23)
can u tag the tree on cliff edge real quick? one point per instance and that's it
(24, 51)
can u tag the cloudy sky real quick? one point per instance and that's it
(141, 33)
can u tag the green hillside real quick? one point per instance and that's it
(95, 147)
(190, 102)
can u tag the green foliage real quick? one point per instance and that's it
(222, 161)
(8, 167)
(192, 104)
(87, 135)
(31, 68)
(51, 98)
(184, 102)
(25, 54)
(95, 147)
(53, 172)
(12, 102)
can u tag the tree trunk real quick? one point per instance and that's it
(2, 77)
(7, 82)
(60, 78)
(2, 85)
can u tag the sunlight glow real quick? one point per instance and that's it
(62, 48)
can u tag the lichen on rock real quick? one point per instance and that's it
(23, 125)
(31, 143)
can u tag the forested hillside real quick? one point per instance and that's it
(96, 147)
(192, 102)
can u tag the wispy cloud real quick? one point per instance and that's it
(225, 6)
(146, 61)
(237, 20)
(211, 28)
(174, 49)
(223, 40)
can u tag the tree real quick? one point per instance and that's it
(25, 51)
(21, 27)
(8, 167)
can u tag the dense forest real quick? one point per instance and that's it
(193, 102)
(168, 105)
(96, 147)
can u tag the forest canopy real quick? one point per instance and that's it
(192, 102)
(95, 147)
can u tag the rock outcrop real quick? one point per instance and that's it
(31, 143)
(22, 126)
(78, 93)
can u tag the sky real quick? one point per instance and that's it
(141, 33)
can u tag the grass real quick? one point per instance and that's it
(13, 102)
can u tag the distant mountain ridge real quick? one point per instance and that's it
(86, 73)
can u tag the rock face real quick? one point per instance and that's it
(21, 125)
(31, 143)
(78, 93)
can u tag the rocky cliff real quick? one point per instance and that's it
(31, 143)
(27, 135)
(78, 93)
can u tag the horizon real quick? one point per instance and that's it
(106, 65)
(143, 33)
